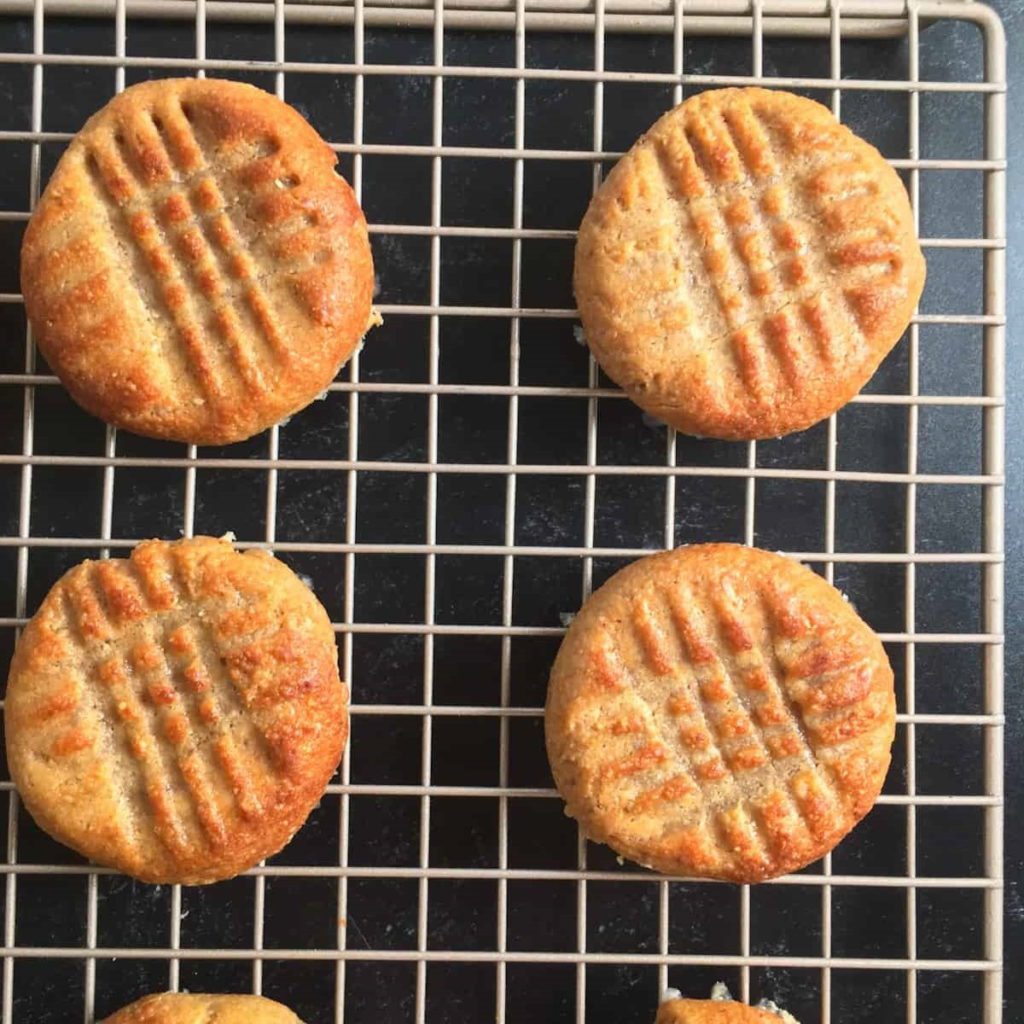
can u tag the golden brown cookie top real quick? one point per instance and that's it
(176, 715)
(179, 1008)
(196, 269)
(719, 711)
(714, 1011)
(747, 265)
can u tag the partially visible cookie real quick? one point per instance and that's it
(176, 715)
(196, 268)
(179, 1008)
(747, 265)
(715, 1011)
(719, 711)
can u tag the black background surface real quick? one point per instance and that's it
(300, 913)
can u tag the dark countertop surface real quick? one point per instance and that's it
(1012, 13)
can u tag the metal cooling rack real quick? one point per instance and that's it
(629, 933)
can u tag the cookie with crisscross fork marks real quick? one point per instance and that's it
(197, 1008)
(196, 269)
(747, 265)
(176, 715)
(721, 712)
(718, 1011)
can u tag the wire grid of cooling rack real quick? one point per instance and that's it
(833, 22)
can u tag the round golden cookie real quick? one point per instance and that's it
(747, 265)
(179, 1008)
(717, 1011)
(176, 715)
(196, 269)
(721, 712)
